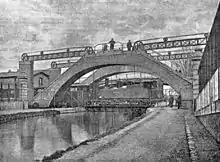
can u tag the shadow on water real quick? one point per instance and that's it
(34, 138)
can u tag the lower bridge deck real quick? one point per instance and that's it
(113, 107)
(125, 103)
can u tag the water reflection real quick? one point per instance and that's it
(33, 138)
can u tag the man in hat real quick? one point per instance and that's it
(129, 45)
(112, 44)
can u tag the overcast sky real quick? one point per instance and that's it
(27, 25)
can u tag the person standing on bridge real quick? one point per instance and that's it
(129, 45)
(112, 44)
(105, 47)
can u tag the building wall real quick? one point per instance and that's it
(8, 89)
(48, 75)
(207, 107)
(210, 60)
(13, 105)
(13, 91)
(53, 74)
(45, 80)
(16, 86)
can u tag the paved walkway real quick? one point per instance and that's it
(160, 137)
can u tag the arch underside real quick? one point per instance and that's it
(96, 80)
(139, 59)
(110, 71)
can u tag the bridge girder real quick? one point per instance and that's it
(148, 44)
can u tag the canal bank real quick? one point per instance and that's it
(10, 115)
(101, 141)
(33, 138)
(160, 136)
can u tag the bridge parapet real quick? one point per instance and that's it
(106, 47)
(148, 44)
(57, 53)
(172, 42)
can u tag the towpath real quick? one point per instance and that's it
(159, 137)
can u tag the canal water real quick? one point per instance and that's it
(33, 138)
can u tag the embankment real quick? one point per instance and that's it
(114, 132)
(7, 117)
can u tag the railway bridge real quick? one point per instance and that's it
(115, 58)
(91, 59)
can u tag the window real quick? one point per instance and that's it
(40, 81)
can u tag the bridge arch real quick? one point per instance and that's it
(114, 58)
(109, 75)
(113, 70)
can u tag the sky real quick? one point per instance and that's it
(29, 25)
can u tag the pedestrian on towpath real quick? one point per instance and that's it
(129, 45)
(171, 101)
(178, 101)
(112, 44)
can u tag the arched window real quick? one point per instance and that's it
(40, 81)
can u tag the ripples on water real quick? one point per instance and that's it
(33, 138)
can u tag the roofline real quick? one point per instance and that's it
(42, 73)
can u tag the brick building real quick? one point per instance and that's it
(14, 86)
(42, 78)
(11, 85)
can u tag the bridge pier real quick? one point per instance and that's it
(23, 92)
(27, 67)
(190, 93)
(187, 97)
(195, 80)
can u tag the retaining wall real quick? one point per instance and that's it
(212, 124)
(4, 118)
(210, 118)
(70, 110)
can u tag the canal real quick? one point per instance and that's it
(34, 138)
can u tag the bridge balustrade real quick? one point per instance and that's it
(124, 101)
(148, 44)
(171, 42)
(100, 48)
(57, 53)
